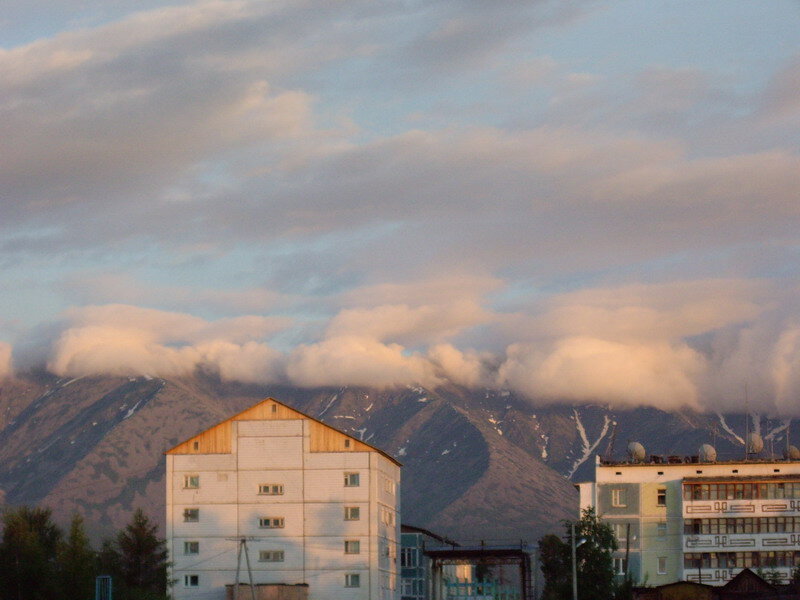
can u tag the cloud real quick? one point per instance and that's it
(405, 324)
(684, 344)
(583, 369)
(127, 340)
(467, 368)
(358, 360)
(780, 99)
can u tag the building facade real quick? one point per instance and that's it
(314, 506)
(682, 519)
(415, 566)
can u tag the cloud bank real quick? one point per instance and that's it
(681, 345)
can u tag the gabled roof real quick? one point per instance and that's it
(324, 438)
(748, 581)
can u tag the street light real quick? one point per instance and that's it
(575, 545)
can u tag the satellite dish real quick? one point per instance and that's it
(707, 453)
(791, 453)
(636, 452)
(754, 443)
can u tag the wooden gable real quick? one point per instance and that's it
(323, 438)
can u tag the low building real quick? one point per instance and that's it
(304, 502)
(682, 518)
(415, 566)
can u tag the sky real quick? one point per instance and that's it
(577, 201)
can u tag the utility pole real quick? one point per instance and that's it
(627, 549)
(243, 546)
(574, 565)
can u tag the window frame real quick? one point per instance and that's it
(191, 481)
(619, 498)
(191, 547)
(352, 479)
(271, 556)
(352, 580)
(661, 565)
(187, 514)
(352, 513)
(352, 546)
(268, 489)
(271, 522)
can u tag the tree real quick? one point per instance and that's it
(595, 568)
(28, 554)
(554, 558)
(76, 562)
(138, 560)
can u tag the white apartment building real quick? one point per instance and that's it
(678, 518)
(316, 506)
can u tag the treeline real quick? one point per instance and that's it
(39, 561)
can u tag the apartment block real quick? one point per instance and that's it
(313, 505)
(682, 518)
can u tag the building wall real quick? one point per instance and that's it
(313, 529)
(657, 554)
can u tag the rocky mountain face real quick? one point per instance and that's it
(477, 464)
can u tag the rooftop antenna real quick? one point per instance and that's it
(746, 423)
(611, 439)
(788, 429)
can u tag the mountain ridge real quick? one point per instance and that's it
(478, 464)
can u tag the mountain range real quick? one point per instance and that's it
(478, 464)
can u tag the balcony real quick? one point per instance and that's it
(741, 542)
(743, 508)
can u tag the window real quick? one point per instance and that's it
(270, 556)
(662, 565)
(388, 486)
(387, 517)
(407, 587)
(270, 489)
(191, 515)
(191, 580)
(408, 557)
(191, 547)
(618, 498)
(352, 580)
(661, 497)
(620, 532)
(191, 482)
(620, 566)
(347, 443)
(661, 529)
(352, 480)
(352, 547)
(196, 445)
(352, 513)
(274, 408)
(270, 522)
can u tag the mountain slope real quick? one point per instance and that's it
(477, 464)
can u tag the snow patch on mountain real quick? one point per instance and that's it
(587, 448)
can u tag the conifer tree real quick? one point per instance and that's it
(141, 559)
(28, 555)
(77, 562)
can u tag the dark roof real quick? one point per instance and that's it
(405, 528)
